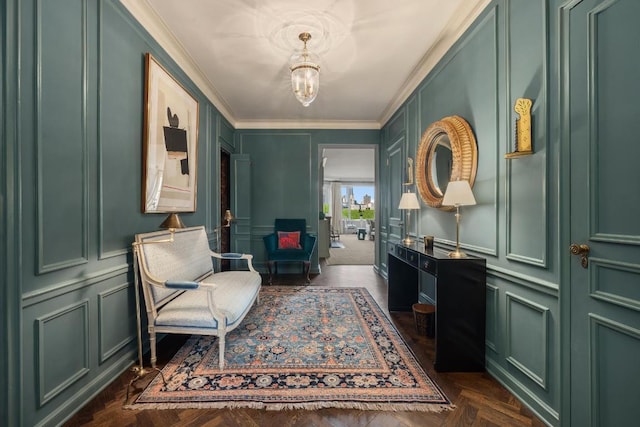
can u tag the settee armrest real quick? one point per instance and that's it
(181, 284)
(231, 255)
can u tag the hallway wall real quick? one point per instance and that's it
(508, 53)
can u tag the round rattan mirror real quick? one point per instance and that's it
(447, 152)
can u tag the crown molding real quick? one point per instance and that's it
(466, 14)
(462, 19)
(308, 124)
(156, 27)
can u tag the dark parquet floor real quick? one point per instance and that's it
(480, 400)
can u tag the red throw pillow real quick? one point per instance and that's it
(289, 240)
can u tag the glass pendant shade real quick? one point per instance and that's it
(305, 74)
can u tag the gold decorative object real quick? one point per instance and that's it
(523, 129)
(227, 218)
(409, 171)
(452, 136)
(172, 221)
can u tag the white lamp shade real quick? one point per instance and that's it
(458, 194)
(409, 201)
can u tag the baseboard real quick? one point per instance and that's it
(547, 414)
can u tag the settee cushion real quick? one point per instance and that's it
(232, 291)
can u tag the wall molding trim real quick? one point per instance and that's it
(71, 285)
(525, 280)
(41, 265)
(45, 395)
(539, 378)
(543, 119)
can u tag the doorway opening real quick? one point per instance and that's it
(225, 203)
(348, 204)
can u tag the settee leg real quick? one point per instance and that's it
(221, 346)
(152, 345)
(307, 267)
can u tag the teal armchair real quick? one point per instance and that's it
(289, 243)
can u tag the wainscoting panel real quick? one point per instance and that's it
(76, 337)
(493, 316)
(383, 244)
(527, 337)
(242, 201)
(61, 134)
(615, 282)
(395, 172)
(523, 339)
(396, 126)
(527, 178)
(615, 371)
(613, 216)
(63, 357)
(116, 319)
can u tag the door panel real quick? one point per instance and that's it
(395, 172)
(603, 131)
(241, 204)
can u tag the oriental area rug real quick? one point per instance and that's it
(300, 348)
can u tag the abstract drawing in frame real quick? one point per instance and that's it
(169, 170)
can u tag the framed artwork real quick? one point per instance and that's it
(170, 143)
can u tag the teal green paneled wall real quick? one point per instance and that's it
(501, 57)
(71, 163)
(284, 177)
(9, 215)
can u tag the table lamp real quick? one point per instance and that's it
(408, 202)
(458, 194)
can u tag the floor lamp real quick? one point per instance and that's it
(140, 370)
(408, 202)
(458, 194)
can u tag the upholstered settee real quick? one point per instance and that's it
(289, 242)
(183, 294)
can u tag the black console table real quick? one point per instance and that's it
(456, 287)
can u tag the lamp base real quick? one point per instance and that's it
(408, 241)
(141, 372)
(457, 254)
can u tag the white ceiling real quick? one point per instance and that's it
(373, 53)
(356, 165)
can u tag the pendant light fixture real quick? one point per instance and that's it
(305, 73)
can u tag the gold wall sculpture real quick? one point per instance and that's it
(522, 106)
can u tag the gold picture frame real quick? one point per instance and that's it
(170, 143)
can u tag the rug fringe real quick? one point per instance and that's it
(394, 407)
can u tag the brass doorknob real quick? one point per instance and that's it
(583, 251)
